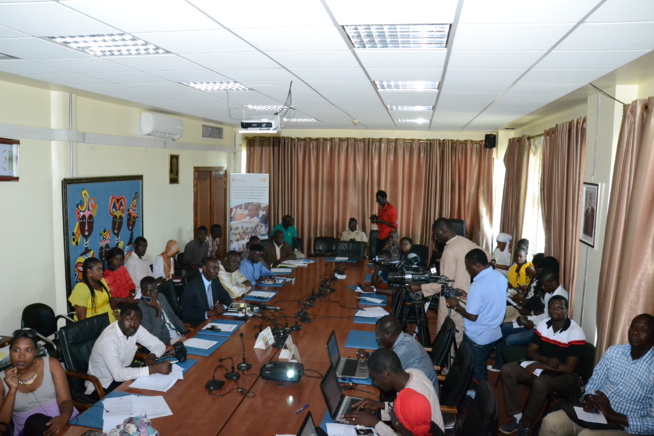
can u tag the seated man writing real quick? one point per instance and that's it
(621, 388)
(231, 278)
(114, 351)
(158, 317)
(278, 251)
(204, 296)
(552, 357)
(252, 267)
(387, 374)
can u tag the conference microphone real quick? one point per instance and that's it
(230, 375)
(244, 365)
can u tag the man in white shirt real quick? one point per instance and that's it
(352, 234)
(231, 278)
(138, 267)
(387, 374)
(114, 351)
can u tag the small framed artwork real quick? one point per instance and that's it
(590, 200)
(9, 160)
(173, 169)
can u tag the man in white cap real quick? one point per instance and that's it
(502, 254)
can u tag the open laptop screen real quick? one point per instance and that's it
(332, 349)
(308, 428)
(331, 390)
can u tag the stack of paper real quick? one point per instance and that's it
(159, 382)
(116, 410)
(371, 300)
(371, 312)
(296, 262)
(526, 363)
(202, 344)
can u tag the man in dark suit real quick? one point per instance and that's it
(278, 251)
(204, 296)
(158, 317)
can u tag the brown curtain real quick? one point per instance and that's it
(324, 181)
(626, 275)
(516, 162)
(564, 149)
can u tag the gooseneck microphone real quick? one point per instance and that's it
(244, 365)
(230, 375)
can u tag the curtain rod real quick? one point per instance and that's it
(535, 136)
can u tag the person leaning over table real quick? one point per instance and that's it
(157, 316)
(231, 278)
(387, 374)
(204, 296)
(253, 268)
(114, 351)
(621, 388)
(34, 392)
(91, 296)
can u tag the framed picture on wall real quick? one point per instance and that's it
(173, 169)
(99, 213)
(590, 199)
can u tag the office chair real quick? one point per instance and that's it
(422, 251)
(454, 387)
(42, 319)
(372, 241)
(76, 343)
(459, 227)
(441, 349)
(479, 416)
(352, 249)
(324, 246)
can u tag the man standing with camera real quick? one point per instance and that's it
(484, 311)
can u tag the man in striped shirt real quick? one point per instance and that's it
(552, 357)
(622, 387)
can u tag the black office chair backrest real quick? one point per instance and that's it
(459, 227)
(372, 241)
(324, 246)
(422, 251)
(586, 364)
(352, 249)
(76, 341)
(458, 378)
(479, 416)
(40, 317)
(442, 346)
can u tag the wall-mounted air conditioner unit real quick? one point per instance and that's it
(161, 126)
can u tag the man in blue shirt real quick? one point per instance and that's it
(252, 267)
(389, 334)
(484, 313)
(622, 387)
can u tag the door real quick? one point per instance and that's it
(210, 201)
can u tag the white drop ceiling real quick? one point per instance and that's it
(504, 58)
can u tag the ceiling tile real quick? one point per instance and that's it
(520, 11)
(35, 48)
(328, 74)
(201, 41)
(26, 68)
(468, 87)
(145, 15)
(317, 38)
(601, 60)
(230, 61)
(409, 98)
(190, 76)
(388, 12)
(60, 20)
(85, 65)
(482, 75)
(6, 32)
(622, 11)
(126, 78)
(248, 76)
(402, 58)
(168, 62)
(68, 79)
(405, 74)
(562, 76)
(508, 37)
(467, 60)
(599, 37)
(310, 59)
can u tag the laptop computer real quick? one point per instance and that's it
(345, 368)
(337, 403)
(308, 427)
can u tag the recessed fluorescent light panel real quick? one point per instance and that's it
(264, 108)
(411, 36)
(414, 121)
(409, 108)
(118, 44)
(217, 86)
(406, 86)
(300, 120)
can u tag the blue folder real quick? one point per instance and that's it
(271, 285)
(368, 278)
(202, 352)
(356, 381)
(361, 339)
(365, 320)
(223, 332)
(185, 365)
(260, 300)
(333, 259)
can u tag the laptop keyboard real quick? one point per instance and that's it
(347, 405)
(349, 368)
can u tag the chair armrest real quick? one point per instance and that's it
(448, 409)
(437, 368)
(440, 377)
(427, 349)
(93, 379)
(66, 317)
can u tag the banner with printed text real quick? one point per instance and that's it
(248, 208)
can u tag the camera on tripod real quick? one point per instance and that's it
(415, 274)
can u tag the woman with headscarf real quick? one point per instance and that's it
(502, 254)
(164, 263)
(411, 415)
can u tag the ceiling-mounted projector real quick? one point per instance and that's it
(263, 125)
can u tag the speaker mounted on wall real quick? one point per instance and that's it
(490, 140)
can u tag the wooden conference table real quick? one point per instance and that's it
(271, 407)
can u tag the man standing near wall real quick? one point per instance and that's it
(386, 219)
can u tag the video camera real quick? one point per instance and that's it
(405, 274)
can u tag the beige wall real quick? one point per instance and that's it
(33, 261)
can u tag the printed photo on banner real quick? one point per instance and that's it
(248, 213)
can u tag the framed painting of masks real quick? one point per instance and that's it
(99, 213)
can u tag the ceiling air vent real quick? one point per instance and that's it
(212, 132)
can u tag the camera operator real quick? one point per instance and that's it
(484, 311)
(452, 266)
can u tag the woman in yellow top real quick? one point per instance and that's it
(518, 277)
(91, 296)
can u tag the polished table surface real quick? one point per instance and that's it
(270, 407)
